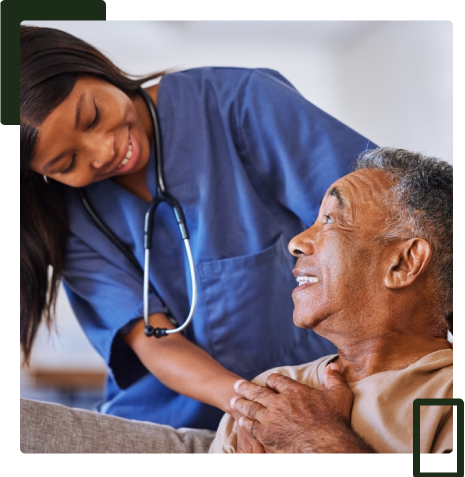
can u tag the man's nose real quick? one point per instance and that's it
(302, 244)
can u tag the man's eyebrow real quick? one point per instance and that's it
(78, 111)
(337, 193)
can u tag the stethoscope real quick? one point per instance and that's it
(161, 195)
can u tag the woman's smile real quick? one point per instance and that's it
(130, 158)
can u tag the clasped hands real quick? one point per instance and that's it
(286, 416)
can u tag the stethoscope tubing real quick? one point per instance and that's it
(194, 290)
(161, 195)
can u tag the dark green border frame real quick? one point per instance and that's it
(12, 13)
(416, 436)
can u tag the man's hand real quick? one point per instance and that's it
(246, 444)
(287, 416)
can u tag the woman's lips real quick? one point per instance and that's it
(133, 159)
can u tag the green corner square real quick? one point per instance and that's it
(416, 436)
(13, 12)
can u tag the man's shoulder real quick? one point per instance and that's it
(307, 373)
(437, 366)
(436, 363)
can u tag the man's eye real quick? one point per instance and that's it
(327, 219)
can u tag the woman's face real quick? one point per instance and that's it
(95, 134)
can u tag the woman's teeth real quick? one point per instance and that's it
(302, 280)
(127, 157)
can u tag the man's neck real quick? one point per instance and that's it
(386, 353)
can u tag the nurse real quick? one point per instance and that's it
(247, 157)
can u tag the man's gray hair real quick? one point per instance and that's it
(423, 194)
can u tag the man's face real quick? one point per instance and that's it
(340, 266)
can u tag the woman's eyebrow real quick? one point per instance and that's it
(78, 111)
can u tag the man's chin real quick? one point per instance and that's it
(304, 320)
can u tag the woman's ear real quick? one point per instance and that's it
(409, 259)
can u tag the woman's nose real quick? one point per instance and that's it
(103, 150)
(302, 244)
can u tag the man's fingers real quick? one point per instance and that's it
(333, 377)
(246, 444)
(249, 425)
(258, 448)
(252, 391)
(247, 408)
(280, 383)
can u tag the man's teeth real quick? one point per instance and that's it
(127, 157)
(302, 280)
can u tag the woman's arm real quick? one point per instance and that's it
(183, 366)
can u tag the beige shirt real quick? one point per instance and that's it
(382, 412)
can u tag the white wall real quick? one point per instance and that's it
(391, 81)
(397, 87)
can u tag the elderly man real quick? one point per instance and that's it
(375, 277)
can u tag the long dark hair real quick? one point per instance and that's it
(50, 64)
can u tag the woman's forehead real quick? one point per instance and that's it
(68, 113)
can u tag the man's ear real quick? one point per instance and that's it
(409, 259)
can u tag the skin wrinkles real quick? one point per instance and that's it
(361, 186)
(74, 129)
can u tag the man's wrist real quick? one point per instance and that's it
(338, 439)
(351, 442)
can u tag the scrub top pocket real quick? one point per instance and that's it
(233, 308)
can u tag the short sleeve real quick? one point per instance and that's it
(106, 296)
(295, 149)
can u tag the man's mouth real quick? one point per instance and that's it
(302, 280)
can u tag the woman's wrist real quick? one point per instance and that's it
(229, 394)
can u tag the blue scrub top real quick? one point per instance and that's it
(249, 159)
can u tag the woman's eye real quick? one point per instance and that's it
(327, 219)
(96, 117)
(71, 165)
